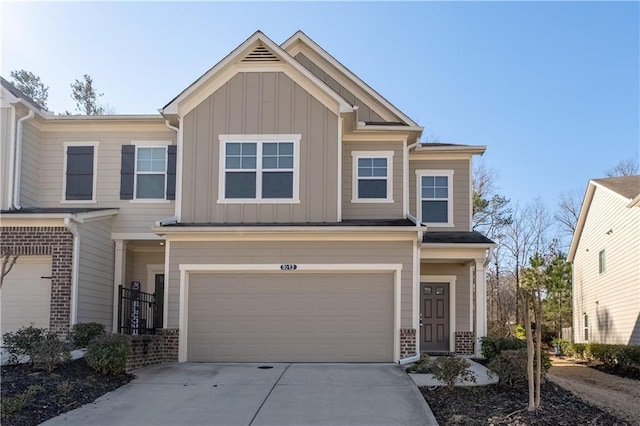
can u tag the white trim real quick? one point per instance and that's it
(75, 269)
(179, 168)
(431, 172)
(151, 143)
(119, 268)
(152, 270)
(451, 279)
(340, 169)
(471, 193)
(143, 145)
(94, 188)
(416, 292)
(12, 149)
(405, 179)
(481, 304)
(135, 236)
(472, 290)
(355, 156)
(165, 307)
(187, 269)
(259, 140)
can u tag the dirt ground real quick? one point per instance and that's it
(616, 395)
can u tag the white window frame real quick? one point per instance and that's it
(356, 155)
(135, 172)
(94, 199)
(585, 327)
(259, 140)
(448, 173)
(602, 261)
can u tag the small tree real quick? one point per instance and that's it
(8, 259)
(31, 85)
(626, 167)
(86, 97)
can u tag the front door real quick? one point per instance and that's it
(159, 292)
(434, 317)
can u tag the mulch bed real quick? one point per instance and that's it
(30, 397)
(496, 405)
(620, 371)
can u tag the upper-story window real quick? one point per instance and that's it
(80, 165)
(148, 171)
(435, 197)
(602, 262)
(372, 177)
(259, 168)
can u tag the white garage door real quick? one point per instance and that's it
(301, 318)
(25, 296)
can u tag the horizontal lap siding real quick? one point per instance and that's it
(136, 270)
(261, 103)
(320, 252)
(615, 318)
(132, 217)
(463, 289)
(5, 145)
(461, 190)
(30, 170)
(371, 210)
(95, 278)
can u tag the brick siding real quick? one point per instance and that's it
(407, 342)
(464, 342)
(153, 349)
(56, 242)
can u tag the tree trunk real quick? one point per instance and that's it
(530, 351)
(538, 319)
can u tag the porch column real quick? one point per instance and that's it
(481, 303)
(118, 277)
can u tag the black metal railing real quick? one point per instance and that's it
(136, 312)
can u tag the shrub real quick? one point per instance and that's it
(421, 367)
(630, 356)
(607, 354)
(20, 344)
(82, 334)
(50, 351)
(562, 345)
(578, 350)
(17, 402)
(520, 333)
(448, 369)
(491, 346)
(511, 366)
(108, 353)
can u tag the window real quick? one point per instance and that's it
(435, 199)
(372, 177)
(602, 262)
(585, 318)
(259, 168)
(79, 179)
(148, 171)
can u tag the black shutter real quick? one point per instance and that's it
(127, 169)
(171, 172)
(79, 179)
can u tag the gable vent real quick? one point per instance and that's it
(260, 54)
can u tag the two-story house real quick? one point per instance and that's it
(279, 209)
(605, 252)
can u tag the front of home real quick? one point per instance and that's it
(605, 252)
(278, 209)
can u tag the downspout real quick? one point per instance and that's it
(18, 161)
(72, 226)
(178, 196)
(407, 207)
(12, 156)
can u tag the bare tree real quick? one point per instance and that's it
(8, 259)
(568, 212)
(627, 167)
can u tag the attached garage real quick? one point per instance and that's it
(290, 317)
(26, 294)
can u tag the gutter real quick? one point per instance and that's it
(17, 170)
(72, 226)
(12, 156)
(489, 257)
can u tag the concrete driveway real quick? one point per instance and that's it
(245, 394)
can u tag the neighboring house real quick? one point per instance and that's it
(279, 209)
(605, 252)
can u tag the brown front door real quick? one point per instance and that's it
(434, 317)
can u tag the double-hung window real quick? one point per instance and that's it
(148, 171)
(435, 197)
(151, 172)
(79, 179)
(259, 168)
(372, 177)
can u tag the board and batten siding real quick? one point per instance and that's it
(31, 165)
(260, 103)
(371, 210)
(464, 317)
(461, 190)
(611, 299)
(95, 273)
(132, 217)
(365, 113)
(283, 252)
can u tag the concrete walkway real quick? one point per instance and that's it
(244, 394)
(480, 371)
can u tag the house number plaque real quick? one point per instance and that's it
(289, 267)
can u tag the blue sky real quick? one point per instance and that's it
(552, 88)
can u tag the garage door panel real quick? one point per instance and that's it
(306, 318)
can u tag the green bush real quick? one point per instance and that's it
(511, 366)
(610, 355)
(630, 356)
(578, 349)
(20, 344)
(491, 346)
(607, 354)
(16, 403)
(448, 369)
(108, 353)
(49, 352)
(564, 346)
(520, 333)
(421, 367)
(82, 334)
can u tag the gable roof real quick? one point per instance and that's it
(19, 95)
(301, 37)
(257, 48)
(627, 187)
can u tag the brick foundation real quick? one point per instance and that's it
(56, 242)
(153, 349)
(464, 342)
(407, 342)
